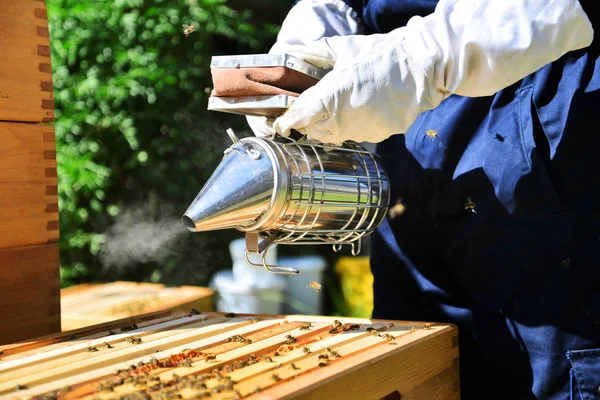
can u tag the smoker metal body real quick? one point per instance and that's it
(284, 190)
(293, 192)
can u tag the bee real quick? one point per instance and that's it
(193, 311)
(129, 327)
(228, 368)
(230, 315)
(427, 325)
(21, 387)
(275, 377)
(350, 327)
(185, 363)
(133, 340)
(91, 349)
(432, 134)
(334, 353)
(293, 366)
(187, 29)
(1, 352)
(470, 205)
(306, 350)
(268, 359)
(397, 209)
(306, 326)
(323, 364)
(210, 357)
(388, 336)
(290, 339)
(315, 285)
(323, 356)
(106, 345)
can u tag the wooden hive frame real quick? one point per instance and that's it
(177, 354)
(89, 304)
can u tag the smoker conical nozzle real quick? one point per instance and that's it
(237, 193)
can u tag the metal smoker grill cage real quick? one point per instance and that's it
(336, 195)
(310, 189)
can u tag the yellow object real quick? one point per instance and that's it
(357, 284)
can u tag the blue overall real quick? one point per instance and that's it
(501, 230)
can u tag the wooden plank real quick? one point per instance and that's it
(29, 309)
(144, 349)
(28, 347)
(105, 302)
(25, 67)
(359, 360)
(432, 357)
(60, 356)
(28, 196)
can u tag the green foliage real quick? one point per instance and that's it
(133, 134)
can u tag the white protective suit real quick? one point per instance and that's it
(380, 83)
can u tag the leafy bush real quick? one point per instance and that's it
(134, 140)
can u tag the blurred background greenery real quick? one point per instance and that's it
(134, 140)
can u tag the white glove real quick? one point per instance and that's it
(263, 126)
(381, 83)
(308, 21)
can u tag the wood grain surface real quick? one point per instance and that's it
(25, 67)
(28, 185)
(226, 356)
(90, 304)
(29, 292)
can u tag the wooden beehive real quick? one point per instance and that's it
(29, 227)
(178, 354)
(90, 304)
(26, 93)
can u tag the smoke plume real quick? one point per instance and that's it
(136, 237)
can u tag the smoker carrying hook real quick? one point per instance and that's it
(255, 247)
(236, 142)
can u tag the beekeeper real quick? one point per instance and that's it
(485, 114)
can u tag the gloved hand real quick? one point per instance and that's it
(307, 22)
(381, 83)
(263, 126)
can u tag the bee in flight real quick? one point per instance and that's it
(470, 205)
(315, 285)
(432, 134)
(187, 29)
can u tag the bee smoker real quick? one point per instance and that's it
(290, 191)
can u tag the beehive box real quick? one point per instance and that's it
(29, 225)
(25, 70)
(90, 304)
(223, 356)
